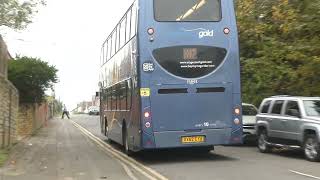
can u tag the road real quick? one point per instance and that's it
(224, 163)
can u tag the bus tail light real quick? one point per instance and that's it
(237, 111)
(236, 121)
(150, 31)
(146, 114)
(147, 124)
(226, 30)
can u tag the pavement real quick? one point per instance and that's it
(75, 149)
(61, 152)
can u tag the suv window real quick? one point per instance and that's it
(265, 107)
(292, 108)
(277, 106)
(249, 110)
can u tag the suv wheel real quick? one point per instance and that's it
(262, 142)
(312, 148)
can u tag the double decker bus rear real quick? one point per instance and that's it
(189, 73)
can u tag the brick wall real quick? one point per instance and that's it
(31, 117)
(9, 104)
(9, 101)
(4, 57)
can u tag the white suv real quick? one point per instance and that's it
(249, 112)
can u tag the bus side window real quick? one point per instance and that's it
(113, 43)
(108, 99)
(122, 92)
(122, 33)
(114, 99)
(128, 28)
(133, 21)
(109, 48)
(128, 90)
(118, 38)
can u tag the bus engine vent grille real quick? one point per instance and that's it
(173, 91)
(211, 89)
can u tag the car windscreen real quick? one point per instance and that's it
(249, 111)
(312, 107)
(187, 10)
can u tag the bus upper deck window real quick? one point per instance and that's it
(187, 10)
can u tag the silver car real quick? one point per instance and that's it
(290, 122)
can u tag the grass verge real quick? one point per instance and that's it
(4, 154)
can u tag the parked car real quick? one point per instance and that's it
(94, 110)
(290, 122)
(249, 112)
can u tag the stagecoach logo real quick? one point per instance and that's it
(148, 67)
(202, 32)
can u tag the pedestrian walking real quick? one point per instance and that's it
(65, 112)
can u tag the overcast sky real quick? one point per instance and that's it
(69, 35)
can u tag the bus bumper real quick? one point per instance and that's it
(173, 139)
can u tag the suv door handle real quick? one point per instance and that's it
(283, 120)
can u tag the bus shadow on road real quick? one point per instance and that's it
(179, 155)
(160, 156)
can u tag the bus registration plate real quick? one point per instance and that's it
(192, 139)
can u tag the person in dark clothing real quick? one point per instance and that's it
(65, 112)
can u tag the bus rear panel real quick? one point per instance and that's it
(189, 73)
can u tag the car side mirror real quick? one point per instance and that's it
(294, 112)
(97, 94)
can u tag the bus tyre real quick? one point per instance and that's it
(262, 142)
(125, 138)
(205, 150)
(106, 131)
(311, 148)
(106, 128)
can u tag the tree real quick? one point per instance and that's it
(280, 48)
(32, 77)
(17, 14)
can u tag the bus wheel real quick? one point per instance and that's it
(106, 128)
(204, 150)
(126, 142)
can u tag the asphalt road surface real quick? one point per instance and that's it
(224, 163)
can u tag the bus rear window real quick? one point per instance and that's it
(187, 10)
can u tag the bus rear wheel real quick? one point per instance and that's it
(125, 140)
(204, 150)
(106, 131)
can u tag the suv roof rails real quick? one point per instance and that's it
(281, 96)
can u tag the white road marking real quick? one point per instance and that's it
(303, 174)
(144, 170)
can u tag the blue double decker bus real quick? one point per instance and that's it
(170, 76)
